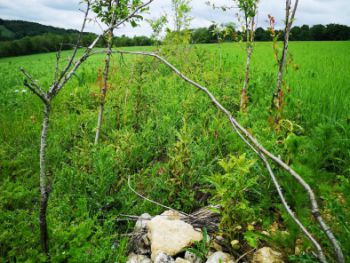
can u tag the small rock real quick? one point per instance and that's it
(141, 223)
(192, 258)
(220, 257)
(170, 236)
(133, 258)
(181, 260)
(161, 257)
(267, 255)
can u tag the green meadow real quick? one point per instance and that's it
(175, 146)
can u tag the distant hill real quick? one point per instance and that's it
(16, 29)
(23, 38)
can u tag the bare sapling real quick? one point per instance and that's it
(264, 154)
(60, 79)
(106, 11)
(277, 102)
(249, 10)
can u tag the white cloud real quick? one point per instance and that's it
(65, 13)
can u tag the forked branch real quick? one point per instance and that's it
(262, 153)
(69, 64)
(33, 86)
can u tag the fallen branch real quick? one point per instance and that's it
(263, 153)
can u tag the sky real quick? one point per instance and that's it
(67, 13)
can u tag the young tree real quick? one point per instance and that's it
(60, 79)
(157, 25)
(181, 10)
(278, 95)
(249, 10)
(110, 12)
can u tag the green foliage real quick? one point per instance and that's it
(169, 138)
(157, 25)
(119, 10)
(231, 192)
(200, 248)
(248, 7)
(181, 9)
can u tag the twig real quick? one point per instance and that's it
(34, 87)
(58, 57)
(245, 254)
(153, 202)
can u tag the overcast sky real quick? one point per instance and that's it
(66, 14)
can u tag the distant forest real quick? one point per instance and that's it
(23, 38)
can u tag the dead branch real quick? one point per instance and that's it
(278, 187)
(264, 152)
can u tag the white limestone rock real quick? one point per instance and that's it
(181, 260)
(192, 258)
(267, 255)
(141, 224)
(133, 258)
(161, 257)
(170, 236)
(217, 256)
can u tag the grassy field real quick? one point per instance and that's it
(170, 139)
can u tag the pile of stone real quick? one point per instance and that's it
(165, 239)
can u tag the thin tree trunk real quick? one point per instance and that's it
(105, 87)
(44, 183)
(250, 40)
(278, 96)
(244, 98)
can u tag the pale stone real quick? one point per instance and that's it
(181, 260)
(220, 257)
(161, 257)
(141, 223)
(133, 258)
(170, 236)
(267, 255)
(192, 258)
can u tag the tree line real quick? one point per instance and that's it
(49, 42)
(23, 38)
(215, 33)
